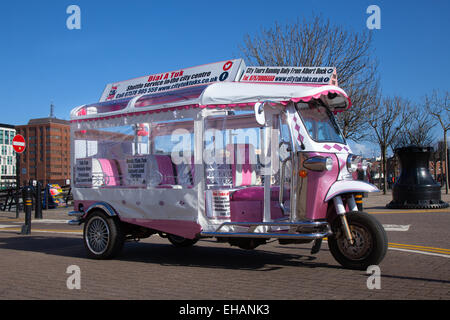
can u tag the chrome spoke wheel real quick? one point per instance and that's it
(97, 235)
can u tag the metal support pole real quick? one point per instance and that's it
(27, 195)
(16, 195)
(46, 195)
(38, 203)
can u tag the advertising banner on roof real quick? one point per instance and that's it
(291, 75)
(229, 70)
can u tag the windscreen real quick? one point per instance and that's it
(320, 123)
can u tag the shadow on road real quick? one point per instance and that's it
(201, 255)
(415, 278)
(60, 246)
(217, 257)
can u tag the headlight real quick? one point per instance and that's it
(318, 163)
(352, 162)
(329, 164)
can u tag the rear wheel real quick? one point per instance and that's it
(103, 237)
(181, 242)
(370, 241)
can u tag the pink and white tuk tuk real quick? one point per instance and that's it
(240, 154)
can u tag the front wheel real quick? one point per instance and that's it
(370, 241)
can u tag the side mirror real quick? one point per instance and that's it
(259, 113)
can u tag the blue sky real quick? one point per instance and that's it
(42, 61)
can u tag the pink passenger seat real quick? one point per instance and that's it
(247, 203)
(111, 175)
(165, 167)
(243, 164)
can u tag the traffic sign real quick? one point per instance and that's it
(18, 143)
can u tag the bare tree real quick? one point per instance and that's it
(437, 104)
(417, 132)
(316, 42)
(393, 113)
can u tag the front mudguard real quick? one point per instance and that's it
(349, 186)
(345, 187)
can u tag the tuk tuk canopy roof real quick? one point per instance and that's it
(216, 95)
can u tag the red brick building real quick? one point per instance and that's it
(47, 154)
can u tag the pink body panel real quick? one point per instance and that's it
(252, 211)
(257, 193)
(318, 185)
(246, 211)
(185, 229)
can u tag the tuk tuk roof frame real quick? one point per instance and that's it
(223, 95)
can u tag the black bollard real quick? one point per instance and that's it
(415, 188)
(27, 195)
(38, 203)
(359, 201)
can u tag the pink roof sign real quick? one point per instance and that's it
(223, 71)
(291, 75)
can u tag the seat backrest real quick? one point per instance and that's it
(243, 164)
(165, 167)
(105, 172)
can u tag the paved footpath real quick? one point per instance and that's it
(415, 267)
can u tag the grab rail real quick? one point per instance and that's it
(282, 178)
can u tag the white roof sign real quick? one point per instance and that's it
(291, 75)
(223, 71)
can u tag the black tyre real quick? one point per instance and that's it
(370, 241)
(181, 242)
(103, 236)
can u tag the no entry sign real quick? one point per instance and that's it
(18, 143)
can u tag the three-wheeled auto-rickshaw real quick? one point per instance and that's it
(225, 152)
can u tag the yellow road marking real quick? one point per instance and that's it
(44, 230)
(415, 247)
(420, 248)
